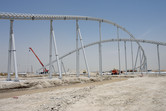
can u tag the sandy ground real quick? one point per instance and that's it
(134, 94)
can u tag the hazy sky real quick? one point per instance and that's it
(145, 19)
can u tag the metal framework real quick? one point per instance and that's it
(140, 52)
(113, 40)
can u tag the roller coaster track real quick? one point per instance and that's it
(20, 16)
(110, 40)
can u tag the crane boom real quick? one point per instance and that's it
(44, 70)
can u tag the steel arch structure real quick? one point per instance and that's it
(51, 18)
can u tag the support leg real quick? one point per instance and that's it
(100, 51)
(146, 66)
(125, 57)
(132, 57)
(77, 51)
(9, 56)
(118, 51)
(12, 50)
(56, 54)
(15, 60)
(140, 62)
(136, 58)
(50, 51)
(63, 66)
(82, 46)
(158, 55)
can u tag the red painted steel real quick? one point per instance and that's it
(44, 70)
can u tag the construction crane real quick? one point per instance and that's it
(44, 69)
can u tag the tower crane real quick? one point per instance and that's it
(44, 69)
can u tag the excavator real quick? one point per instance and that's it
(44, 69)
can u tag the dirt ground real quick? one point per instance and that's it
(134, 94)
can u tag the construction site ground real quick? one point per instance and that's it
(106, 93)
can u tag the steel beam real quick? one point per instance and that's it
(118, 50)
(125, 56)
(77, 52)
(132, 60)
(100, 51)
(56, 54)
(12, 51)
(140, 62)
(136, 57)
(83, 50)
(158, 55)
(63, 66)
(50, 50)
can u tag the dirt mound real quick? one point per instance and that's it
(45, 83)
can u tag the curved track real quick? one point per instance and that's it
(110, 40)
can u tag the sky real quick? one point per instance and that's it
(145, 19)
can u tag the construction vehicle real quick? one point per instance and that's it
(115, 72)
(44, 69)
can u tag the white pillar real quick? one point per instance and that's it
(77, 52)
(118, 50)
(63, 66)
(50, 51)
(158, 55)
(82, 46)
(12, 50)
(9, 53)
(132, 57)
(146, 65)
(56, 54)
(136, 57)
(125, 56)
(100, 51)
(140, 62)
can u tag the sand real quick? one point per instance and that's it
(134, 94)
